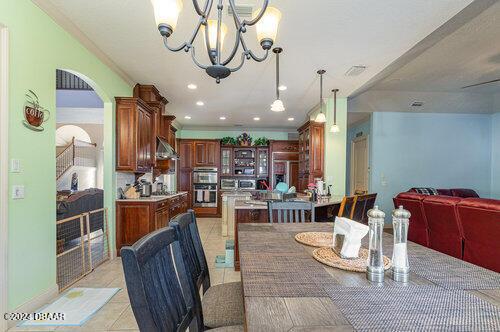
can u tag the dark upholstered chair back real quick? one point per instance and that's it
(363, 204)
(290, 211)
(162, 296)
(464, 193)
(347, 206)
(192, 249)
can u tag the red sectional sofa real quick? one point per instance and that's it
(480, 220)
(418, 231)
(466, 228)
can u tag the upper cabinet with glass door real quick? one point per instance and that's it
(226, 161)
(263, 162)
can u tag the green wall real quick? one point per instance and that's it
(335, 145)
(38, 46)
(215, 134)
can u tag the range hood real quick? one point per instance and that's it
(165, 151)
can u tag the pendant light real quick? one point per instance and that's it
(277, 105)
(335, 128)
(321, 118)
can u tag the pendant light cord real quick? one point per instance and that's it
(277, 75)
(335, 107)
(321, 93)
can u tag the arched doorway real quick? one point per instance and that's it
(82, 183)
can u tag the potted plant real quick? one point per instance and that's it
(261, 141)
(228, 140)
(244, 140)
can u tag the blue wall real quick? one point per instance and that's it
(429, 150)
(364, 128)
(495, 156)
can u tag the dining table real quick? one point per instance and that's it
(286, 289)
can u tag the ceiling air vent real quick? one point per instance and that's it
(355, 70)
(238, 125)
(417, 104)
(243, 11)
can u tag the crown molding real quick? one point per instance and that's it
(60, 19)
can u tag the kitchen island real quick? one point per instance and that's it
(253, 211)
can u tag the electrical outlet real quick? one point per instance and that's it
(15, 166)
(17, 192)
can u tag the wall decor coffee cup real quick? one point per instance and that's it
(34, 114)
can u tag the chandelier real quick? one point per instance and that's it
(266, 20)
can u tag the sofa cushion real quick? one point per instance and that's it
(480, 221)
(445, 192)
(445, 233)
(464, 193)
(418, 229)
(424, 191)
(223, 305)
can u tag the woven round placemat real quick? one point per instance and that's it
(315, 239)
(328, 257)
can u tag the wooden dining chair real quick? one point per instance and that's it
(222, 304)
(363, 204)
(347, 207)
(290, 212)
(162, 295)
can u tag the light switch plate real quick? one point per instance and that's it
(17, 192)
(15, 165)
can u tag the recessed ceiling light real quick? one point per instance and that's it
(200, 103)
(291, 119)
(282, 87)
(256, 119)
(187, 117)
(222, 118)
(192, 86)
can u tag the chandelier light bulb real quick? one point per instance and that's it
(212, 33)
(267, 27)
(167, 12)
(334, 128)
(277, 106)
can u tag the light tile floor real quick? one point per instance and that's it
(117, 314)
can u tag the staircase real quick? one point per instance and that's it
(77, 153)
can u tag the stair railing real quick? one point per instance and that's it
(77, 152)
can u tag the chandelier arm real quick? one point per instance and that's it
(235, 48)
(251, 54)
(219, 37)
(174, 49)
(256, 58)
(193, 56)
(237, 20)
(198, 8)
(195, 33)
(259, 16)
(243, 55)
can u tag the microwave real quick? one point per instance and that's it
(246, 184)
(228, 184)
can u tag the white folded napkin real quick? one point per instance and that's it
(347, 236)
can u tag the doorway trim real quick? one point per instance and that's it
(4, 173)
(351, 171)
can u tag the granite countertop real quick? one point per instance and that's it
(262, 205)
(236, 193)
(153, 199)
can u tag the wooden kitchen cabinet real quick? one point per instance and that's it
(206, 153)
(186, 149)
(311, 153)
(134, 135)
(135, 219)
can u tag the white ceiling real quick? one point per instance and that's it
(333, 35)
(468, 55)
